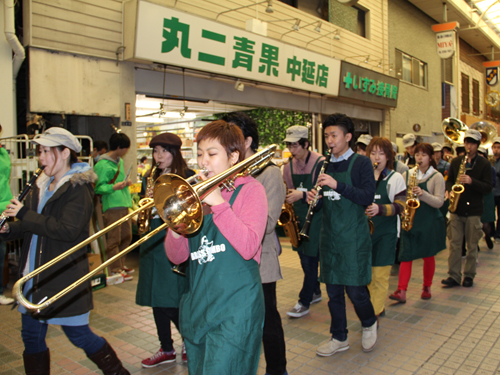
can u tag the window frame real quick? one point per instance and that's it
(411, 70)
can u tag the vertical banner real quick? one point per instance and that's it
(446, 38)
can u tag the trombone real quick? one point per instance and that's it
(178, 204)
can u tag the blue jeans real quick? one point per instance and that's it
(33, 333)
(311, 284)
(360, 298)
(3, 247)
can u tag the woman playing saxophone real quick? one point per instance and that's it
(158, 287)
(427, 234)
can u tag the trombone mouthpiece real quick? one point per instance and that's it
(375, 165)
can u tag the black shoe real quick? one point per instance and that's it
(468, 282)
(489, 242)
(106, 359)
(37, 363)
(449, 283)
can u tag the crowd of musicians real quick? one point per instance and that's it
(369, 214)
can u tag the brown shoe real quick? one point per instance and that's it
(399, 295)
(426, 292)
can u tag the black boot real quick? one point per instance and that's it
(37, 364)
(106, 359)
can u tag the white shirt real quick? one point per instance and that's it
(346, 155)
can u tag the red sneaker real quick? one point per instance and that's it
(159, 358)
(426, 292)
(184, 355)
(399, 295)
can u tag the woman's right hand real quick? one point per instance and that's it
(5, 228)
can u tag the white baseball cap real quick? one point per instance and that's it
(58, 137)
(364, 139)
(473, 134)
(437, 146)
(296, 133)
(409, 140)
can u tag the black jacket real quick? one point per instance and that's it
(470, 202)
(63, 223)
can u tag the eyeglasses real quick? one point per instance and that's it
(292, 145)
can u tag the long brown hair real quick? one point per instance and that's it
(386, 146)
(178, 165)
(228, 135)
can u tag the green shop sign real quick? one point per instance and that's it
(364, 84)
(168, 36)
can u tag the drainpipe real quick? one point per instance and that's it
(10, 35)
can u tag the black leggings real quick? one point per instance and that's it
(163, 316)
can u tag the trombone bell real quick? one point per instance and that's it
(177, 203)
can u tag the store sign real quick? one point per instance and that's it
(364, 84)
(168, 36)
(445, 39)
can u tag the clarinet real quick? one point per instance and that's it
(22, 195)
(304, 233)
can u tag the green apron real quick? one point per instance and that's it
(345, 245)
(427, 237)
(488, 208)
(446, 204)
(303, 182)
(385, 235)
(222, 315)
(158, 286)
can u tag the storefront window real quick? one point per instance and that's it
(411, 69)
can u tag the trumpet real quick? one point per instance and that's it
(304, 233)
(178, 204)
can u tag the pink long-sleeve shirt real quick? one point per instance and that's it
(243, 226)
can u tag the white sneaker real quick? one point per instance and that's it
(126, 276)
(6, 300)
(298, 311)
(369, 338)
(316, 298)
(331, 347)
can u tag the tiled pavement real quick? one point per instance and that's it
(456, 332)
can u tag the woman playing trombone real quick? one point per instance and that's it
(222, 314)
(54, 218)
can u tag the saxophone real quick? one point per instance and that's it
(143, 223)
(288, 219)
(458, 188)
(412, 202)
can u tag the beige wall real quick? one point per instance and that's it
(410, 32)
(94, 27)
